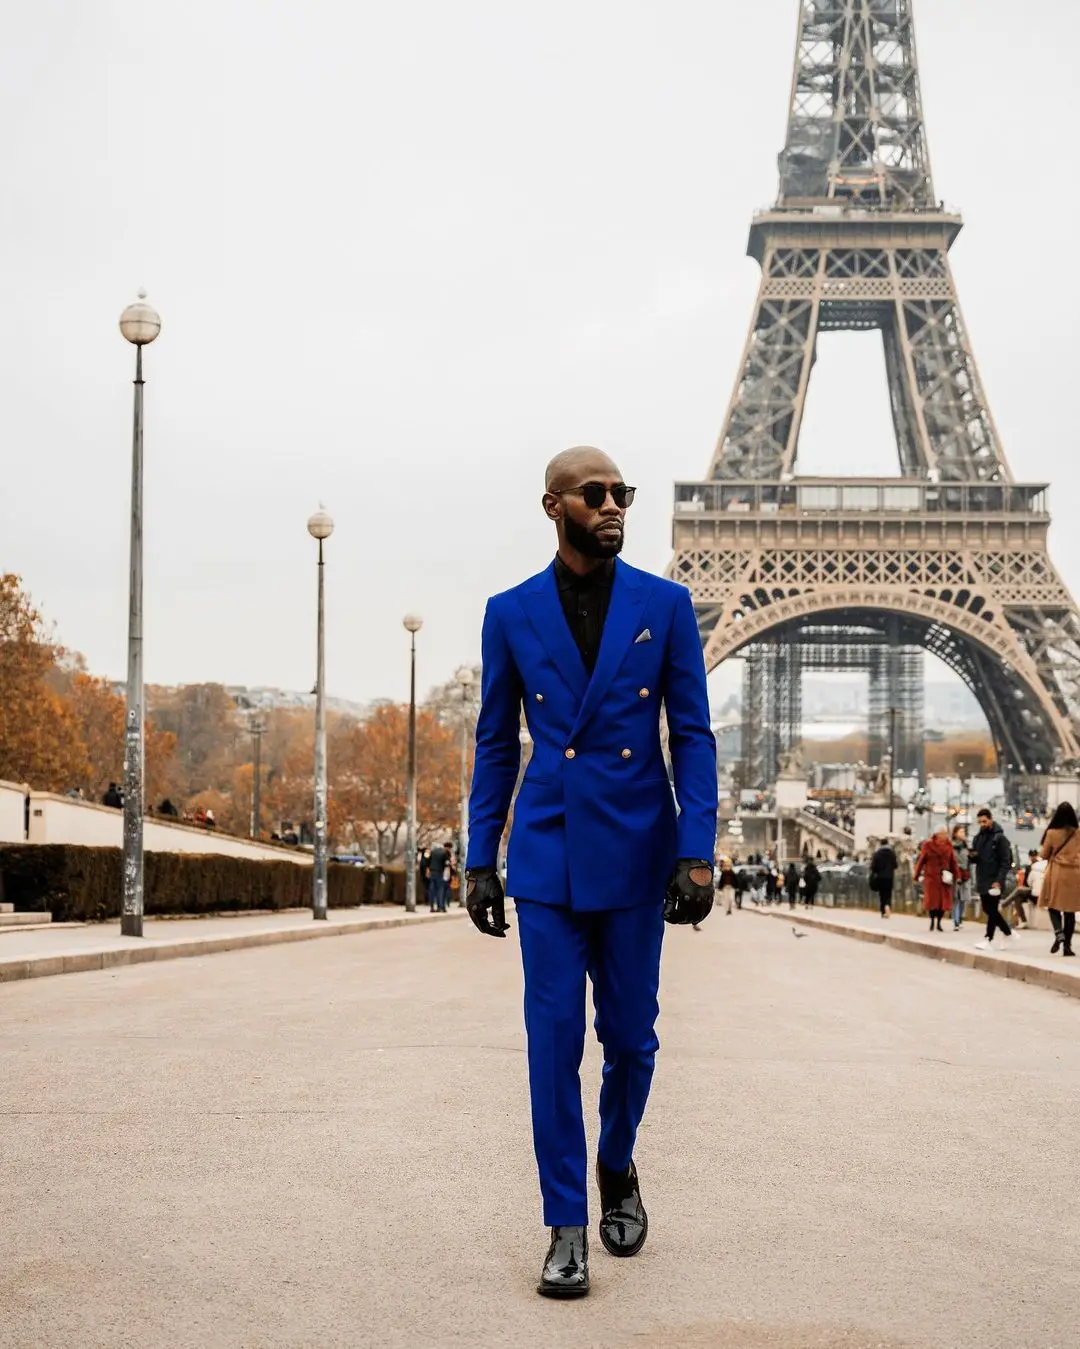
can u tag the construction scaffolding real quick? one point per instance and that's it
(772, 693)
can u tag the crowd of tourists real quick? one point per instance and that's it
(762, 882)
(952, 870)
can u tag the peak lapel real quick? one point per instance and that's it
(541, 606)
(620, 629)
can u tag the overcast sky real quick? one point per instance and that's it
(406, 251)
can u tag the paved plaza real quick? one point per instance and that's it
(327, 1144)
(1026, 956)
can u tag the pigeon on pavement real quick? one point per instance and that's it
(799, 935)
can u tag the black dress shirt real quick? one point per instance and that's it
(585, 601)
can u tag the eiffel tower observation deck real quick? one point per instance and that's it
(852, 572)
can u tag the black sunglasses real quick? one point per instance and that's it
(594, 494)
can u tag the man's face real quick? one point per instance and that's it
(598, 531)
(985, 821)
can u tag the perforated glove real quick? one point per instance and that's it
(484, 892)
(686, 900)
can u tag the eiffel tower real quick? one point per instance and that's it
(794, 573)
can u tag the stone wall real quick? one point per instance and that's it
(64, 819)
(12, 812)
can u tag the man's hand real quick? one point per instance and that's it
(483, 892)
(689, 896)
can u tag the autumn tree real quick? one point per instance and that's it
(100, 713)
(209, 734)
(39, 735)
(369, 777)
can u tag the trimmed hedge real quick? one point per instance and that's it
(77, 884)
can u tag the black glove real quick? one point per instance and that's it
(687, 901)
(484, 891)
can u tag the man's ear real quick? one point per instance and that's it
(552, 506)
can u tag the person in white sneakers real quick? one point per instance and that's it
(990, 857)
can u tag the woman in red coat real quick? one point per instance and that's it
(938, 867)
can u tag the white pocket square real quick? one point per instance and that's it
(646, 636)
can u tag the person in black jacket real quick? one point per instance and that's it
(811, 883)
(989, 858)
(791, 883)
(882, 876)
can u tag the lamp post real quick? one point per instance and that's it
(465, 679)
(892, 765)
(140, 324)
(257, 729)
(320, 527)
(412, 624)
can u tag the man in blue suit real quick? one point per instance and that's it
(598, 858)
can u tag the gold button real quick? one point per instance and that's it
(626, 754)
(643, 693)
(569, 753)
(539, 697)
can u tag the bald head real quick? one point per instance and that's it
(581, 464)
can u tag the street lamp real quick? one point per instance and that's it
(320, 527)
(257, 727)
(412, 624)
(465, 678)
(140, 324)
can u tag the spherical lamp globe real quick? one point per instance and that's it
(140, 322)
(412, 622)
(321, 525)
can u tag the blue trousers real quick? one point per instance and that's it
(619, 950)
(437, 890)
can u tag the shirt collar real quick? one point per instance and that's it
(600, 578)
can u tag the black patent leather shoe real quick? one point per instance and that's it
(566, 1268)
(624, 1224)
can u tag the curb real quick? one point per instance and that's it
(37, 967)
(1004, 968)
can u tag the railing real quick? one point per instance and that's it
(895, 496)
(832, 834)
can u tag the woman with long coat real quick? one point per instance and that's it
(936, 858)
(1060, 891)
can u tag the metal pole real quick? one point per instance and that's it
(463, 830)
(256, 781)
(319, 897)
(131, 921)
(892, 763)
(410, 827)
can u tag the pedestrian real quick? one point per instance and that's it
(112, 797)
(811, 883)
(1021, 892)
(726, 883)
(772, 885)
(937, 867)
(990, 858)
(962, 888)
(791, 883)
(438, 863)
(598, 858)
(883, 866)
(1060, 887)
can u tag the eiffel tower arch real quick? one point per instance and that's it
(950, 557)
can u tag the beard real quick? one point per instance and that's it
(589, 544)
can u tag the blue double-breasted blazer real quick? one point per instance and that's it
(595, 825)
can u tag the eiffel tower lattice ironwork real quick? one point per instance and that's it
(951, 557)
